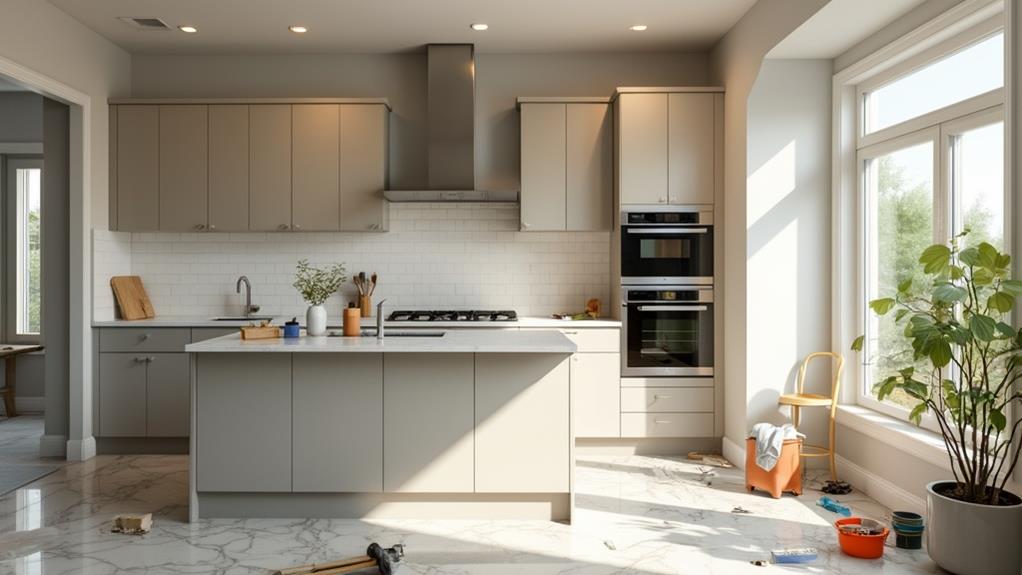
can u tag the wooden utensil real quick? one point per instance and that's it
(132, 298)
(354, 563)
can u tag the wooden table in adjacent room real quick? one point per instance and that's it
(10, 353)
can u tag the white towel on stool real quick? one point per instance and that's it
(769, 441)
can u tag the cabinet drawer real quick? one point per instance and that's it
(137, 339)
(593, 340)
(667, 399)
(667, 382)
(666, 425)
(204, 333)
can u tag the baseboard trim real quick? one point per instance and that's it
(733, 452)
(53, 446)
(883, 491)
(33, 405)
(81, 449)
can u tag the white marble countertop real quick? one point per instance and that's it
(452, 341)
(523, 322)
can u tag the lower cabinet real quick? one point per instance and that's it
(168, 395)
(337, 443)
(428, 414)
(122, 395)
(244, 421)
(596, 394)
(522, 440)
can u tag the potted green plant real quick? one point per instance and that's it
(316, 285)
(965, 365)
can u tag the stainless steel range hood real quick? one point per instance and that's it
(450, 99)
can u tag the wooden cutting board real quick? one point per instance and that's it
(132, 297)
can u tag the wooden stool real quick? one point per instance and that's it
(9, 353)
(801, 399)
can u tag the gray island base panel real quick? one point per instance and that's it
(470, 425)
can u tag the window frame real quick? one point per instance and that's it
(9, 255)
(939, 127)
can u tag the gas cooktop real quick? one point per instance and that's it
(456, 315)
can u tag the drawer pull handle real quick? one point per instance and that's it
(145, 337)
(659, 397)
(150, 359)
(659, 421)
(140, 360)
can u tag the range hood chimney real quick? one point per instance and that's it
(450, 100)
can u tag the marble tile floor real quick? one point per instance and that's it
(635, 515)
(19, 440)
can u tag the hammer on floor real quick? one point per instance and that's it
(385, 560)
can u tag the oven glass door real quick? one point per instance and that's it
(669, 339)
(667, 252)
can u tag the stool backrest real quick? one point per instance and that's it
(839, 362)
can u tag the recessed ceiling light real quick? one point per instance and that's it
(188, 29)
(638, 28)
(298, 29)
(480, 27)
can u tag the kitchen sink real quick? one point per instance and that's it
(241, 318)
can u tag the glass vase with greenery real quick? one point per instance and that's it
(317, 284)
(966, 361)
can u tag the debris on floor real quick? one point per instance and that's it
(740, 510)
(706, 475)
(834, 505)
(610, 545)
(803, 555)
(710, 459)
(759, 562)
(133, 524)
(836, 487)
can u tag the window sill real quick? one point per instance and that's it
(899, 434)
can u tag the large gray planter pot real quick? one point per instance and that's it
(970, 539)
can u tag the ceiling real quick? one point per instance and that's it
(838, 26)
(366, 26)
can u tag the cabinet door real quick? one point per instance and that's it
(642, 148)
(522, 440)
(269, 169)
(596, 394)
(589, 167)
(243, 422)
(691, 135)
(338, 422)
(183, 168)
(315, 193)
(228, 168)
(168, 395)
(138, 168)
(122, 395)
(543, 167)
(427, 411)
(363, 171)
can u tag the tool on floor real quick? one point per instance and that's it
(133, 524)
(741, 510)
(385, 560)
(709, 459)
(834, 505)
(803, 555)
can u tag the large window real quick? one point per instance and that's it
(23, 255)
(931, 163)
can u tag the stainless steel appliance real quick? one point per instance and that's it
(454, 315)
(667, 246)
(667, 331)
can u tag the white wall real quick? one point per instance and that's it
(402, 79)
(436, 256)
(735, 63)
(788, 237)
(21, 117)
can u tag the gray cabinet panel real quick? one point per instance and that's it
(428, 417)
(138, 168)
(642, 148)
(184, 138)
(543, 167)
(204, 333)
(338, 422)
(269, 167)
(589, 167)
(316, 199)
(691, 148)
(522, 439)
(122, 395)
(168, 395)
(243, 422)
(144, 339)
(596, 394)
(228, 168)
(363, 167)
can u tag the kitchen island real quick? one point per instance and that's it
(454, 424)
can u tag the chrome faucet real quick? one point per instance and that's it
(249, 308)
(379, 319)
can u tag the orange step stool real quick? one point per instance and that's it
(785, 476)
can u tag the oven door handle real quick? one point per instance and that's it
(668, 231)
(673, 308)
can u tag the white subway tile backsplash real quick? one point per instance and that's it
(435, 256)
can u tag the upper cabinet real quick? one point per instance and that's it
(668, 146)
(566, 165)
(254, 165)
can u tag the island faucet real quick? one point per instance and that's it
(249, 308)
(379, 319)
